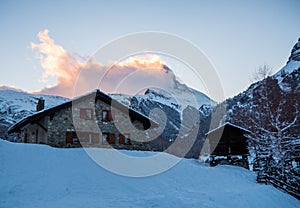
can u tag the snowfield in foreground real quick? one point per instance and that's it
(41, 176)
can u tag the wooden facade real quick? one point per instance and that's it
(228, 145)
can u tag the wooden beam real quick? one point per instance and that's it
(43, 127)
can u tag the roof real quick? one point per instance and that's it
(227, 124)
(99, 95)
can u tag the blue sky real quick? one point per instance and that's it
(237, 36)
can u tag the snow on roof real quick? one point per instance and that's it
(227, 124)
(35, 116)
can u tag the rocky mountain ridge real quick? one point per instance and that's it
(270, 110)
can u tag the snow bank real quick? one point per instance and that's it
(41, 176)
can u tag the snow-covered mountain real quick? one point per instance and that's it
(172, 102)
(287, 78)
(178, 96)
(293, 63)
(173, 107)
(15, 105)
(178, 103)
(182, 109)
(5, 87)
(270, 109)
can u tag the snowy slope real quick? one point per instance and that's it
(294, 60)
(122, 98)
(269, 109)
(41, 176)
(15, 105)
(292, 67)
(288, 79)
(178, 97)
(174, 102)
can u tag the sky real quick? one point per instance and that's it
(237, 36)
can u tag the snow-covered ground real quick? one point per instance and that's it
(41, 176)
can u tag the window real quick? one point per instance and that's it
(108, 138)
(88, 138)
(71, 137)
(104, 138)
(86, 113)
(106, 115)
(124, 139)
(85, 137)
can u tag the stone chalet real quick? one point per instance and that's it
(94, 119)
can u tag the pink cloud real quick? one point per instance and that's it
(75, 77)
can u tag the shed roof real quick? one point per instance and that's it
(98, 95)
(227, 124)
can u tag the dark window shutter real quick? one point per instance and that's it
(121, 139)
(69, 137)
(111, 139)
(110, 117)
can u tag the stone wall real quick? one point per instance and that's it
(58, 124)
(34, 133)
(69, 120)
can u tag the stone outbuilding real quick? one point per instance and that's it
(94, 119)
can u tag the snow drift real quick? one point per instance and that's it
(41, 176)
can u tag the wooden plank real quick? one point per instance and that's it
(40, 125)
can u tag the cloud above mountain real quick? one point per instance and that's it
(75, 76)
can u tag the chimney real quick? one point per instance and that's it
(41, 104)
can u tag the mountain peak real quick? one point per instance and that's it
(295, 53)
(5, 87)
(293, 63)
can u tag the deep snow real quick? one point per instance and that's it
(41, 176)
